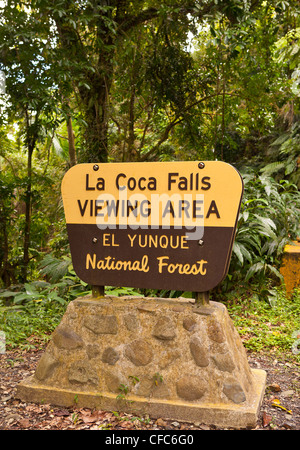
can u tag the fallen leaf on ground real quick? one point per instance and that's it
(266, 419)
(160, 422)
(91, 417)
(62, 412)
(24, 423)
(274, 387)
(277, 404)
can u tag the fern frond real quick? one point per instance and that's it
(54, 269)
(273, 167)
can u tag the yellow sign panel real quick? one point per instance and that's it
(174, 193)
(152, 225)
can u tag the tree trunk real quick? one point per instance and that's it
(4, 273)
(112, 25)
(28, 208)
(131, 138)
(95, 102)
(94, 91)
(72, 149)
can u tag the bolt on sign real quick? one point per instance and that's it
(152, 225)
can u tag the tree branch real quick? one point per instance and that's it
(134, 20)
(152, 12)
(179, 118)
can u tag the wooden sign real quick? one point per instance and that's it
(152, 225)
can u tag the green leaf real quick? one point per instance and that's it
(8, 294)
(257, 267)
(239, 250)
(21, 296)
(30, 290)
(275, 271)
(54, 268)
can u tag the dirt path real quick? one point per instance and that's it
(280, 409)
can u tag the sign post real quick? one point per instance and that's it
(98, 291)
(202, 298)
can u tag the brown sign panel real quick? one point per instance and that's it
(152, 225)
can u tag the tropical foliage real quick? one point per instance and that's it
(89, 80)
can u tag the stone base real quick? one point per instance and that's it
(163, 357)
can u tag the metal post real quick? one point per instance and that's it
(97, 291)
(202, 298)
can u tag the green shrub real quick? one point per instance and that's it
(28, 326)
(268, 328)
(268, 220)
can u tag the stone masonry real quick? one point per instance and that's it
(169, 358)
